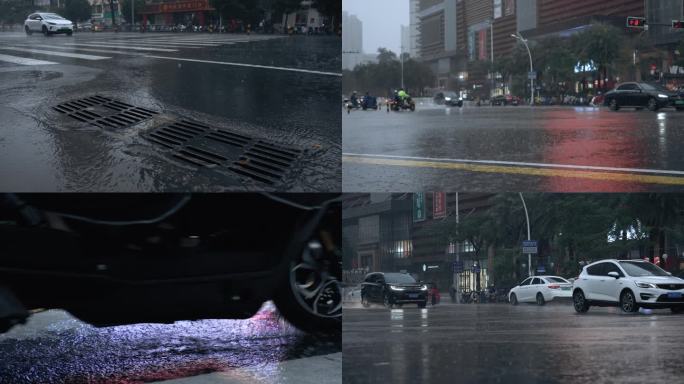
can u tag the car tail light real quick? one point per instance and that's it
(554, 286)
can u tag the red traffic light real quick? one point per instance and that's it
(676, 24)
(636, 22)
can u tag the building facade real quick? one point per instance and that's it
(401, 232)
(352, 41)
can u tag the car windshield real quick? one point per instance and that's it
(555, 279)
(399, 278)
(450, 94)
(654, 87)
(52, 16)
(637, 269)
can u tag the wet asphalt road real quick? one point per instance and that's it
(56, 348)
(278, 89)
(500, 343)
(513, 148)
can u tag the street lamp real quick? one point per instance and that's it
(519, 37)
(527, 219)
(402, 66)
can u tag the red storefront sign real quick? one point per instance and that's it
(438, 205)
(179, 6)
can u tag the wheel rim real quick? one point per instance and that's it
(314, 284)
(579, 301)
(539, 299)
(514, 299)
(627, 302)
(386, 301)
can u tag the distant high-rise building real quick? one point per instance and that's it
(405, 39)
(414, 32)
(352, 41)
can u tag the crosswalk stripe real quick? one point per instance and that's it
(125, 47)
(149, 45)
(162, 44)
(53, 53)
(86, 49)
(23, 60)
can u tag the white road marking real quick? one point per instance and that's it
(522, 164)
(162, 44)
(86, 49)
(124, 47)
(23, 60)
(248, 65)
(53, 53)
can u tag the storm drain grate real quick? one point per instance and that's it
(203, 146)
(104, 112)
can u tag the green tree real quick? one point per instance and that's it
(601, 45)
(138, 6)
(77, 10)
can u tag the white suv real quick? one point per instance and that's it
(47, 24)
(629, 284)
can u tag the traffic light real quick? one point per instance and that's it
(636, 22)
(676, 24)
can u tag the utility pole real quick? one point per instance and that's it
(402, 66)
(132, 14)
(524, 41)
(491, 47)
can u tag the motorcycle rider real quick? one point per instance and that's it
(354, 100)
(402, 95)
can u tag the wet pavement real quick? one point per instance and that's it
(500, 343)
(277, 91)
(56, 348)
(523, 148)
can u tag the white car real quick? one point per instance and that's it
(629, 284)
(540, 289)
(47, 24)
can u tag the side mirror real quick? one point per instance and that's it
(614, 274)
(669, 273)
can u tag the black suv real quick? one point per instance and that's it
(393, 289)
(126, 258)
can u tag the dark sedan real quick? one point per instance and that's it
(393, 289)
(448, 98)
(639, 96)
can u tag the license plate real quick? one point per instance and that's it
(566, 288)
(674, 295)
(413, 295)
(679, 102)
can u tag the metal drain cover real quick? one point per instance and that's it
(203, 146)
(104, 112)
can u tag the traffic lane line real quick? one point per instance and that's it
(519, 170)
(248, 65)
(53, 53)
(23, 60)
(518, 163)
(124, 47)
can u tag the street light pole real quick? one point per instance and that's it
(518, 36)
(527, 219)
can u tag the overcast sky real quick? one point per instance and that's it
(381, 20)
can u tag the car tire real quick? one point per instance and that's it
(423, 304)
(628, 302)
(514, 299)
(677, 310)
(579, 301)
(364, 301)
(652, 104)
(614, 106)
(28, 30)
(70, 33)
(679, 108)
(45, 31)
(540, 299)
(310, 295)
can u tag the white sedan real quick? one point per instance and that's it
(540, 289)
(47, 24)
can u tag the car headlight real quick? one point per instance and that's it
(423, 288)
(644, 285)
(51, 23)
(395, 288)
(662, 96)
(447, 98)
